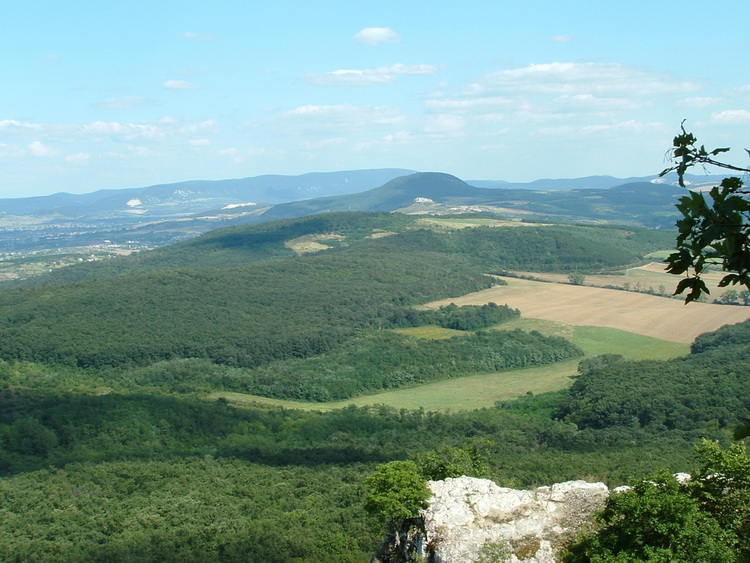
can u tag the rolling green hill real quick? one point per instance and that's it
(240, 297)
(638, 203)
(112, 449)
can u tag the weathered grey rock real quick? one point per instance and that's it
(466, 514)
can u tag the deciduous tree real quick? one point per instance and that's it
(715, 227)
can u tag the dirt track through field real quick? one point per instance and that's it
(658, 317)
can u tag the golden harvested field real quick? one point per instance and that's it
(649, 315)
(649, 276)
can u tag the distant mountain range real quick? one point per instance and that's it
(156, 215)
(197, 196)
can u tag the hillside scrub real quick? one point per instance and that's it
(705, 518)
(279, 308)
(707, 386)
(148, 476)
(109, 452)
(241, 316)
(388, 360)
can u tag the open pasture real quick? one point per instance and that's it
(647, 315)
(483, 390)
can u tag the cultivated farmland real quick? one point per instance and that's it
(649, 315)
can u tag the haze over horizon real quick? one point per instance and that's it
(98, 95)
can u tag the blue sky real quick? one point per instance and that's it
(114, 94)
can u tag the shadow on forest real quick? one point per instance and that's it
(40, 428)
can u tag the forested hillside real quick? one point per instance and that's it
(131, 476)
(111, 450)
(235, 297)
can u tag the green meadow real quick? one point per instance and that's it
(484, 390)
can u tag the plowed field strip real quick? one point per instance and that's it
(658, 317)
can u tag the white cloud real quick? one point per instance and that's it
(199, 142)
(473, 104)
(697, 102)
(127, 131)
(354, 77)
(39, 149)
(143, 152)
(375, 35)
(581, 78)
(731, 116)
(198, 36)
(558, 94)
(164, 128)
(341, 117)
(180, 85)
(51, 58)
(562, 38)
(444, 124)
(206, 125)
(239, 156)
(10, 151)
(385, 142)
(739, 91)
(589, 102)
(127, 102)
(628, 126)
(78, 157)
(12, 124)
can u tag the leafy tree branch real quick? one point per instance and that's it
(715, 228)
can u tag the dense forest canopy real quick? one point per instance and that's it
(110, 449)
(208, 458)
(195, 300)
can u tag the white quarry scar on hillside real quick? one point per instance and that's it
(649, 315)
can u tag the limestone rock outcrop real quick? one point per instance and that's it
(467, 517)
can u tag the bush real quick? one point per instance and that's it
(655, 520)
(396, 492)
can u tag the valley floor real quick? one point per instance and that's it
(601, 321)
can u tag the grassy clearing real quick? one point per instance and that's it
(443, 223)
(463, 393)
(483, 390)
(595, 340)
(430, 332)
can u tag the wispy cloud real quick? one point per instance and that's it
(375, 35)
(12, 124)
(37, 148)
(198, 36)
(180, 85)
(743, 91)
(10, 151)
(444, 124)
(587, 78)
(239, 156)
(630, 126)
(472, 104)
(363, 77)
(78, 157)
(731, 116)
(166, 127)
(127, 102)
(697, 102)
(340, 117)
(562, 39)
(562, 93)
